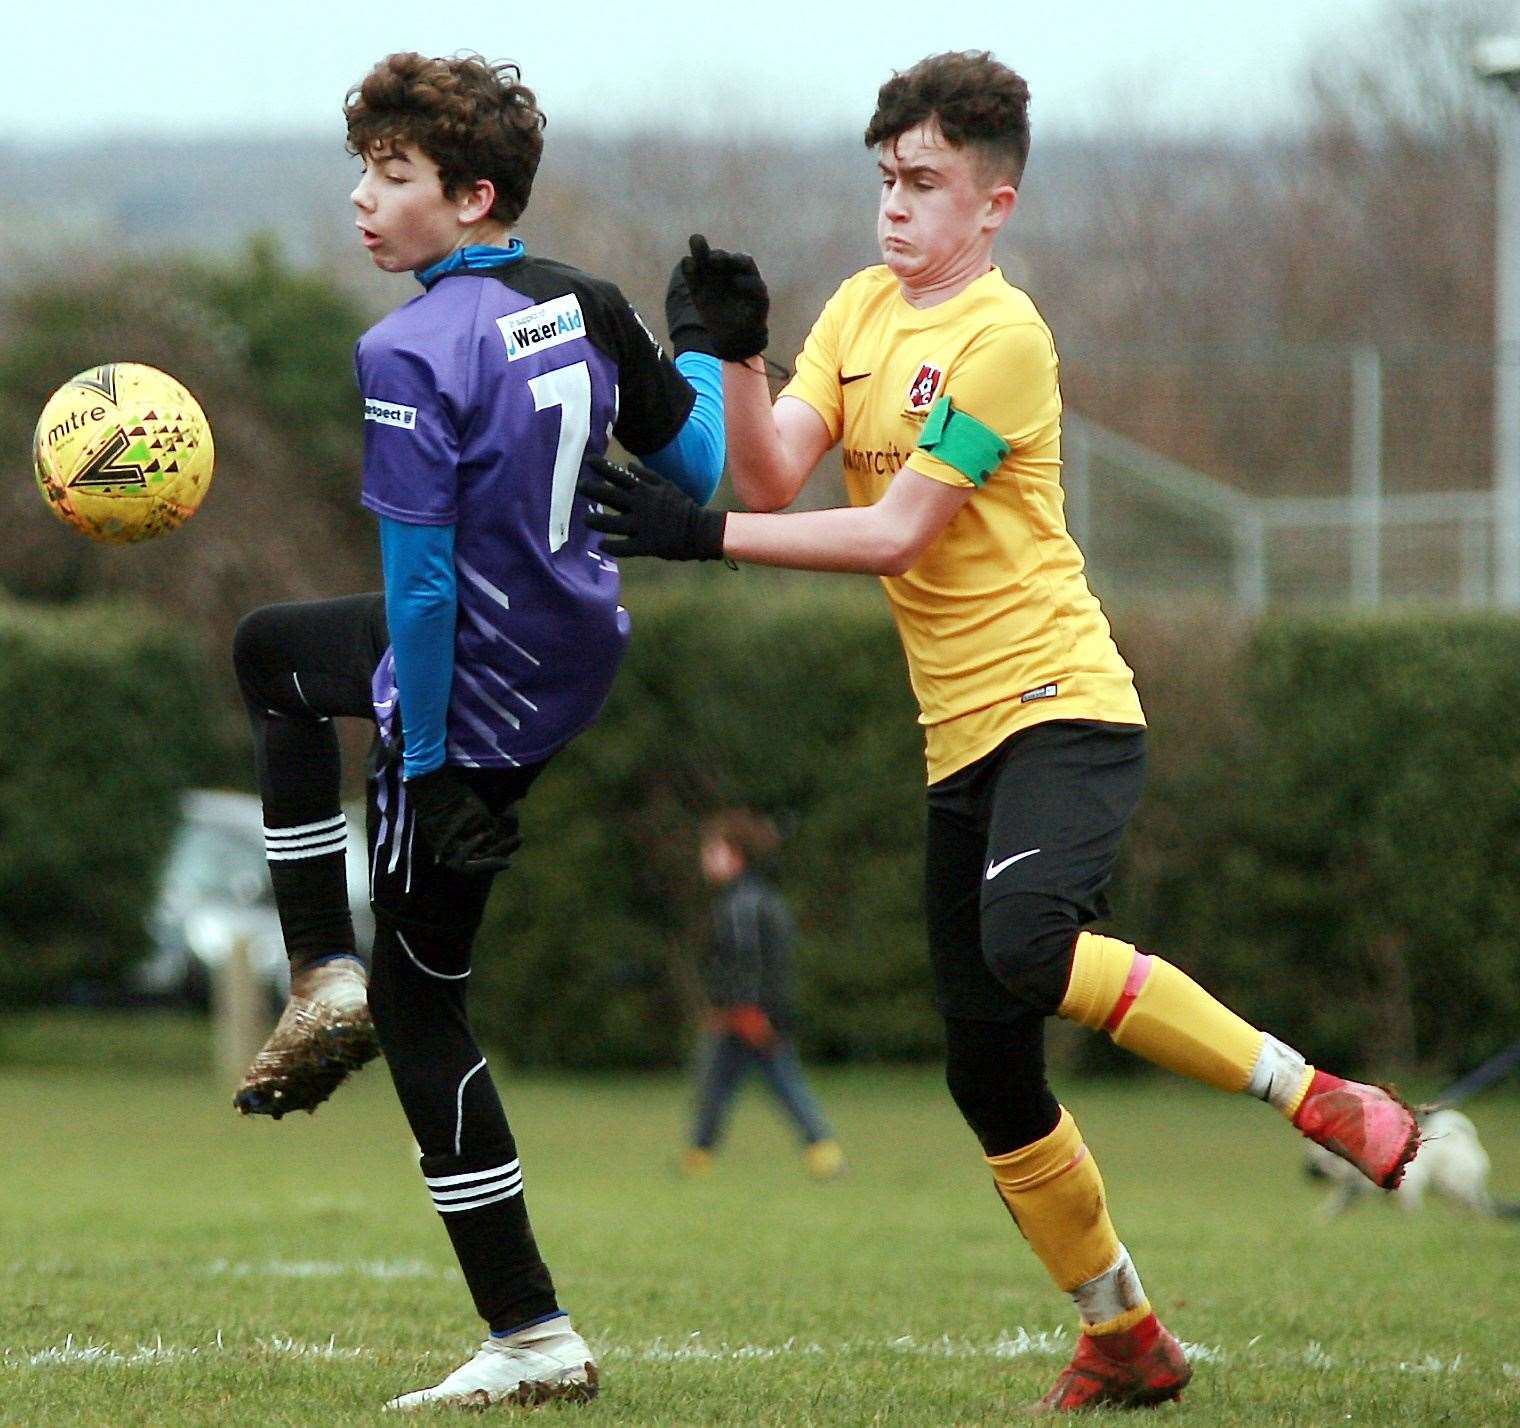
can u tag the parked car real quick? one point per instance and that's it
(214, 890)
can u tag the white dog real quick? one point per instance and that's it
(1451, 1162)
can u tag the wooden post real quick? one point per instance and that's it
(237, 1013)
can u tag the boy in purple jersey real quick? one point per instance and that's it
(494, 643)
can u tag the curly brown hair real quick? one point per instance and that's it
(474, 119)
(980, 104)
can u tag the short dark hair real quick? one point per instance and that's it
(980, 104)
(474, 119)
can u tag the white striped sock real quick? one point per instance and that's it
(306, 840)
(437, 1182)
(470, 1191)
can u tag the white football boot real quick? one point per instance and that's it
(536, 1365)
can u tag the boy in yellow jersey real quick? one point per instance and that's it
(940, 381)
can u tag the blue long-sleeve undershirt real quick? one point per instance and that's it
(421, 608)
(693, 458)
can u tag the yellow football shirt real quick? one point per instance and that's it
(996, 618)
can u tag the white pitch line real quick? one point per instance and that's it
(329, 1269)
(1021, 1343)
(70, 1353)
(298, 1348)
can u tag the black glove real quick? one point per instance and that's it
(730, 298)
(687, 331)
(651, 516)
(462, 832)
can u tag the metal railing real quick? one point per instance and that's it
(1150, 524)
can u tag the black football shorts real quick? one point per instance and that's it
(1042, 814)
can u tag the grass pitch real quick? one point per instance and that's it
(163, 1262)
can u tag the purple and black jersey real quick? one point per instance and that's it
(483, 398)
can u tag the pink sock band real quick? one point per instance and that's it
(1139, 972)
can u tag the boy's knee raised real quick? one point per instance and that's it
(254, 645)
(1027, 941)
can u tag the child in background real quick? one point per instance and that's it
(749, 979)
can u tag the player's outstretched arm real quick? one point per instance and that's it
(883, 539)
(646, 515)
(772, 450)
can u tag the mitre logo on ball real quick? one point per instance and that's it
(123, 452)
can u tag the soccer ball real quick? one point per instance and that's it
(123, 453)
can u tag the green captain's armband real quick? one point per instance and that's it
(960, 440)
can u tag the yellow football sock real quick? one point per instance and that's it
(1149, 1007)
(1055, 1195)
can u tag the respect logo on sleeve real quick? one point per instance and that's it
(390, 413)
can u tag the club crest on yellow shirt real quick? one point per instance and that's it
(923, 389)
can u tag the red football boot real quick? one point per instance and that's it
(1140, 1367)
(1368, 1125)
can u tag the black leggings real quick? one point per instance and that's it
(299, 666)
(996, 1074)
(1020, 847)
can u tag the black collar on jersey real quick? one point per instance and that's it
(476, 258)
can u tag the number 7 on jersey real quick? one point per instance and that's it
(569, 389)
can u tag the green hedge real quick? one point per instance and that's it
(1349, 871)
(106, 719)
(1329, 835)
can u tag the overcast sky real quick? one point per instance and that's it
(190, 67)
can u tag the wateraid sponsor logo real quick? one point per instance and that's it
(536, 329)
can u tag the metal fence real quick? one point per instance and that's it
(1150, 525)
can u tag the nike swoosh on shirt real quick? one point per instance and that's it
(853, 377)
(993, 869)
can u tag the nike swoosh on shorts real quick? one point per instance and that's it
(853, 377)
(993, 869)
